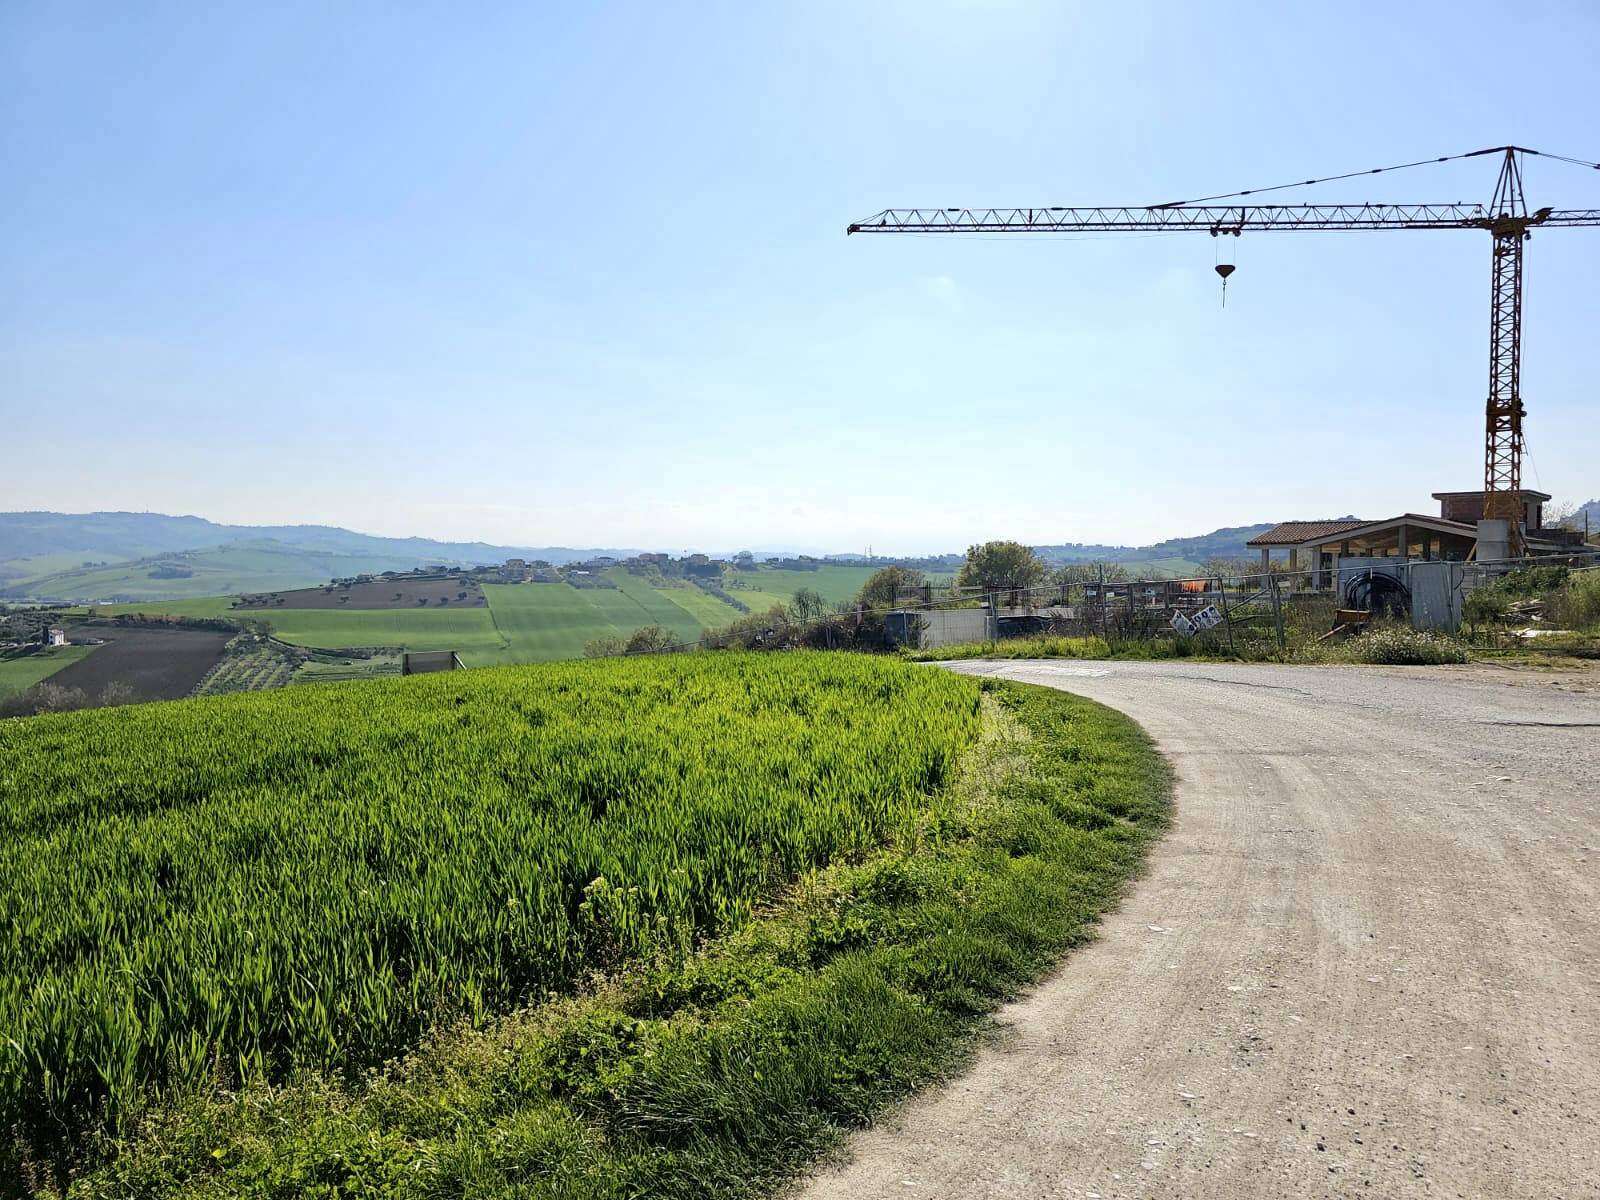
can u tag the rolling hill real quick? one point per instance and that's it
(112, 556)
(119, 536)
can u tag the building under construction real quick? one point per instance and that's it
(1459, 533)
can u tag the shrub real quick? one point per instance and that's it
(1397, 646)
(1577, 606)
(1525, 582)
(604, 647)
(1485, 606)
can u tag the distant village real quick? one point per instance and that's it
(591, 572)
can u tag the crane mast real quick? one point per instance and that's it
(1506, 218)
(1502, 446)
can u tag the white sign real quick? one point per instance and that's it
(1207, 617)
(1182, 624)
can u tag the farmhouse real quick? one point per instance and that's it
(55, 636)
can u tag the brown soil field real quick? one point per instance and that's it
(389, 593)
(158, 664)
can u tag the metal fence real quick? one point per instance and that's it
(1271, 606)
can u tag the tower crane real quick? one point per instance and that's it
(1506, 219)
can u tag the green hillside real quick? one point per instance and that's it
(257, 566)
(524, 622)
(766, 586)
(470, 632)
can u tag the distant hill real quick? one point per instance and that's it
(1219, 543)
(149, 556)
(1591, 509)
(117, 536)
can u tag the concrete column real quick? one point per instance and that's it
(1404, 542)
(1494, 540)
(1266, 559)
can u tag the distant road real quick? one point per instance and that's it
(1365, 962)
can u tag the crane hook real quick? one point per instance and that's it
(1224, 270)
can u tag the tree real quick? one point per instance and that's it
(604, 647)
(117, 692)
(1000, 566)
(888, 584)
(1090, 572)
(808, 605)
(1229, 567)
(650, 639)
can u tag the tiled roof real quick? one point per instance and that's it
(1292, 533)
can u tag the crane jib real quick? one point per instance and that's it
(1211, 219)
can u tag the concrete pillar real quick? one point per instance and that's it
(1403, 540)
(1494, 540)
(1266, 559)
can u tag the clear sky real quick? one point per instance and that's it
(577, 273)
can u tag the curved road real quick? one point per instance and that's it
(1365, 961)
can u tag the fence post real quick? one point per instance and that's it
(1277, 611)
(1227, 617)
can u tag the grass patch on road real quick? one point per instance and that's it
(1021, 647)
(718, 1068)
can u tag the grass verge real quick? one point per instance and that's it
(1384, 644)
(1206, 647)
(720, 1071)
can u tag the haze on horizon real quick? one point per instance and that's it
(578, 276)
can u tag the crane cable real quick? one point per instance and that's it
(1421, 162)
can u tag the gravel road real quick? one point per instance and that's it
(1365, 961)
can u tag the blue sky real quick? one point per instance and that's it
(577, 273)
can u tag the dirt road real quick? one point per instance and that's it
(1365, 962)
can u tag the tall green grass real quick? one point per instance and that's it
(719, 1070)
(224, 890)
